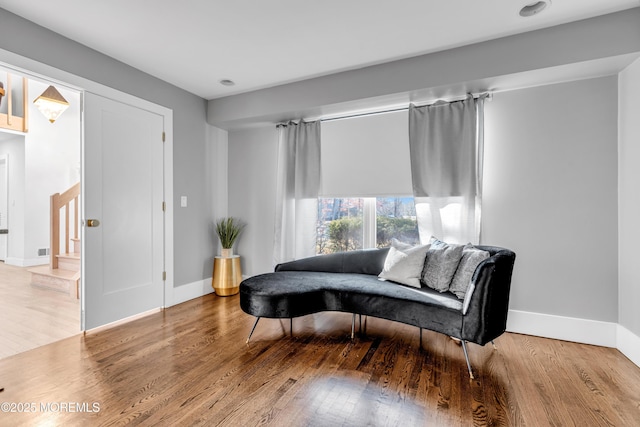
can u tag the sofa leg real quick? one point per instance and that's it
(353, 326)
(494, 345)
(360, 326)
(420, 338)
(291, 326)
(466, 356)
(253, 329)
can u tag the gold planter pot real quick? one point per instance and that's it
(227, 275)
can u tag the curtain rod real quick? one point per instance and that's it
(488, 95)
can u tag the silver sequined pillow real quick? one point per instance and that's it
(471, 257)
(440, 265)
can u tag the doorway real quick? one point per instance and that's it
(36, 161)
(163, 230)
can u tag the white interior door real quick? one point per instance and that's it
(123, 254)
(4, 206)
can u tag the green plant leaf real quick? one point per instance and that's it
(228, 230)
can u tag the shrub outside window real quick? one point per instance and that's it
(347, 224)
(396, 218)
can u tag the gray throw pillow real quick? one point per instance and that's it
(471, 257)
(440, 264)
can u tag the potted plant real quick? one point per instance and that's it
(228, 230)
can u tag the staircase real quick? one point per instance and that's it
(63, 271)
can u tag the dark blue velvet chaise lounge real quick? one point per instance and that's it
(348, 282)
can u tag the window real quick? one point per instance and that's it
(363, 159)
(340, 225)
(396, 218)
(347, 224)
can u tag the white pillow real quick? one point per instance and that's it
(404, 265)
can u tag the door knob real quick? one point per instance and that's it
(93, 223)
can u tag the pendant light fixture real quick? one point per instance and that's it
(51, 103)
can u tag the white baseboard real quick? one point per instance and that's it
(190, 291)
(629, 344)
(23, 262)
(123, 321)
(563, 328)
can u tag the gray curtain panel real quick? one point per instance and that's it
(443, 149)
(446, 143)
(298, 173)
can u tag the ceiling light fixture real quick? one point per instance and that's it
(51, 103)
(534, 8)
(227, 82)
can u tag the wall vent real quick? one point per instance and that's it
(43, 252)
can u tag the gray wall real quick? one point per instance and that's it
(252, 194)
(193, 244)
(629, 203)
(469, 68)
(550, 194)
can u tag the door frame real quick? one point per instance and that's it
(4, 158)
(38, 70)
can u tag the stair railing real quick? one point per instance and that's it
(9, 120)
(59, 201)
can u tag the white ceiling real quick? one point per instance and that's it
(193, 44)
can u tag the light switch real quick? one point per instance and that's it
(183, 201)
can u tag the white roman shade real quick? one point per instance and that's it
(366, 156)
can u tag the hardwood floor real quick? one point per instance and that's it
(32, 316)
(189, 365)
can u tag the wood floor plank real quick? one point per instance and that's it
(31, 316)
(189, 365)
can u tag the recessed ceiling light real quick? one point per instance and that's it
(227, 82)
(534, 8)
